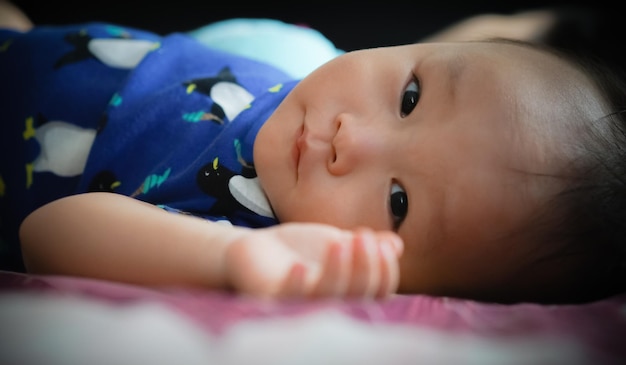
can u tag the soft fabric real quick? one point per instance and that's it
(99, 107)
(54, 91)
(68, 320)
(296, 49)
(194, 114)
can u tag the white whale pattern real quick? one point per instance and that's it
(248, 192)
(64, 148)
(120, 53)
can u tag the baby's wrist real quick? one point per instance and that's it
(229, 257)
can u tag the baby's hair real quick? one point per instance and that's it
(595, 196)
(586, 220)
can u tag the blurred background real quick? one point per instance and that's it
(593, 26)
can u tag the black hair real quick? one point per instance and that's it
(585, 221)
(593, 202)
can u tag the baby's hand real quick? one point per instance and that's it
(314, 260)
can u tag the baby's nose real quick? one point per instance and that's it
(354, 143)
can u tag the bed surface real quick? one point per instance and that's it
(65, 320)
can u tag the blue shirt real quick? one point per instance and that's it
(99, 107)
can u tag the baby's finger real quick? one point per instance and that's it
(365, 265)
(335, 274)
(294, 285)
(389, 270)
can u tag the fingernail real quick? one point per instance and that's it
(368, 239)
(388, 249)
(347, 237)
(397, 244)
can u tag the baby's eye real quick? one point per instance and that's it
(410, 97)
(398, 204)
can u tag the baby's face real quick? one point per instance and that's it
(432, 141)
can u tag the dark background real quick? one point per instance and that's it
(597, 28)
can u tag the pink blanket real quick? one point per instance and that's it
(65, 320)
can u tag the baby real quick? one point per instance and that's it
(481, 169)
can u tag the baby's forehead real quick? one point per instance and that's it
(546, 91)
(512, 55)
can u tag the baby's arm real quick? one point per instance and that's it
(110, 236)
(113, 237)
